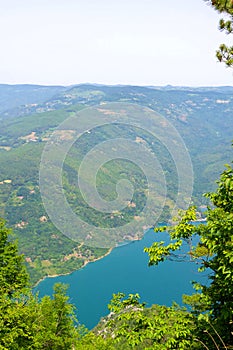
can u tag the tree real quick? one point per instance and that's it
(131, 325)
(56, 321)
(225, 53)
(13, 275)
(30, 323)
(214, 252)
(26, 322)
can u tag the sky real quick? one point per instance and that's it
(137, 42)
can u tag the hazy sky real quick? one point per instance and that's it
(141, 42)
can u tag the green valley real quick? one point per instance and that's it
(202, 116)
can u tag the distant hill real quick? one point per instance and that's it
(13, 96)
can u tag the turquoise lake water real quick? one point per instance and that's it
(125, 270)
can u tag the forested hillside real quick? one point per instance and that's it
(202, 116)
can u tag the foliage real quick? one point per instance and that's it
(13, 275)
(213, 252)
(225, 53)
(55, 321)
(131, 325)
(26, 322)
(30, 323)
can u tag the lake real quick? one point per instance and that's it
(125, 270)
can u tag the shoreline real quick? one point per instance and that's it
(90, 261)
(99, 258)
(103, 256)
(68, 273)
